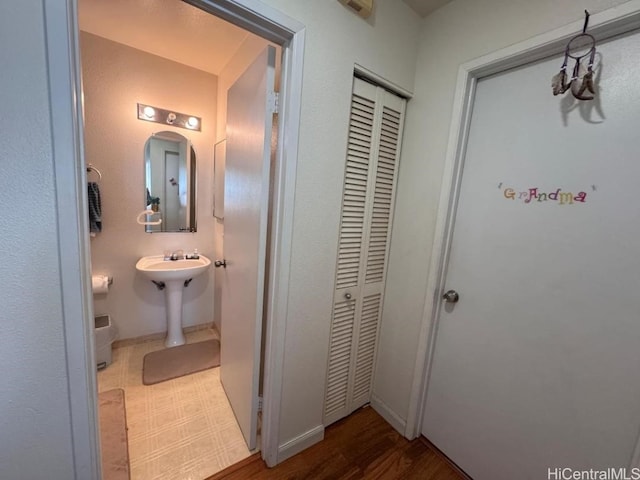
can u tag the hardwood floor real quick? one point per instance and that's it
(362, 445)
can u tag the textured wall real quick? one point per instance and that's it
(458, 32)
(35, 434)
(386, 43)
(115, 79)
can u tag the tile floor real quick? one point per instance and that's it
(181, 429)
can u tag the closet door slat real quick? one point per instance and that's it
(386, 168)
(366, 347)
(339, 361)
(355, 186)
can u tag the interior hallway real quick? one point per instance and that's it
(362, 445)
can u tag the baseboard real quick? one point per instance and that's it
(389, 415)
(126, 342)
(301, 442)
(444, 458)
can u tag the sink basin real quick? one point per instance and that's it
(156, 268)
(173, 277)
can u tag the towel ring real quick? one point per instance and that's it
(140, 219)
(91, 168)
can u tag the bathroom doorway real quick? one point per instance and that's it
(105, 38)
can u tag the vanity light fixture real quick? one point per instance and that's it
(168, 117)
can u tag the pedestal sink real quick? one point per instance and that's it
(172, 276)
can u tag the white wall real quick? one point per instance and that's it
(115, 79)
(458, 32)
(35, 432)
(335, 40)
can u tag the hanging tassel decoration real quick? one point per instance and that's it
(581, 82)
(559, 83)
(587, 80)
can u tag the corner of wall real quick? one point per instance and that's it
(388, 414)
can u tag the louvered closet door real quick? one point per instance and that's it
(375, 131)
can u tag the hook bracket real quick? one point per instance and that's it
(586, 21)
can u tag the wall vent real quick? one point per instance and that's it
(361, 7)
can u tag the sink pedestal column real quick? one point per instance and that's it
(173, 294)
(173, 277)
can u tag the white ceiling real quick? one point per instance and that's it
(178, 31)
(169, 28)
(425, 7)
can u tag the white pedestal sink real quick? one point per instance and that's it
(172, 276)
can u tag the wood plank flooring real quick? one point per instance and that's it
(362, 445)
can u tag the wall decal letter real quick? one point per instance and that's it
(581, 197)
(509, 193)
(533, 193)
(566, 197)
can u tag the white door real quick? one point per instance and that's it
(250, 111)
(171, 191)
(537, 365)
(373, 151)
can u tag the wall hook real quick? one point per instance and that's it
(586, 21)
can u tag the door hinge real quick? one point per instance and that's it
(274, 102)
(259, 403)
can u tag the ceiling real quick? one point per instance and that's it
(170, 29)
(178, 31)
(425, 7)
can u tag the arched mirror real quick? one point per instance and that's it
(170, 183)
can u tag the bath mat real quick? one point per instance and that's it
(113, 435)
(175, 362)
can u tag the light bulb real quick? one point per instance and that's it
(192, 122)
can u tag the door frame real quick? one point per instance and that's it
(603, 25)
(66, 110)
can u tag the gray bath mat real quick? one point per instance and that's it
(178, 361)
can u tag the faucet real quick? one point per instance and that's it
(176, 255)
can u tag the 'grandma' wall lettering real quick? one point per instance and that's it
(533, 195)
